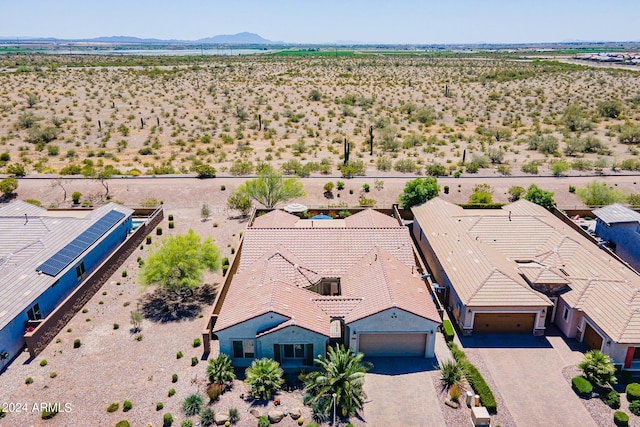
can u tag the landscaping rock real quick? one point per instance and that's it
(295, 413)
(275, 416)
(220, 418)
(451, 403)
(255, 412)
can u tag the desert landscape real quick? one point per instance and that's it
(142, 131)
(400, 116)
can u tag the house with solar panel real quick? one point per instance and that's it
(44, 256)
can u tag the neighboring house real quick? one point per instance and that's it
(304, 284)
(620, 226)
(519, 268)
(44, 256)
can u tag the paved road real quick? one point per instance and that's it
(400, 393)
(528, 372)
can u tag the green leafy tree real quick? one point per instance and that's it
(540, 197)
(264, 377)
(418, 191)
(179, 263)
(205, 171)
(271, 188)
(341, 372)
(240, 201)
(220, 370)
(598, 368)
(8, 186)
(599, 193)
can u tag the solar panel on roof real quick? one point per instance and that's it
(65, 256)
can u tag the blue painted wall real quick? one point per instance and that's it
(626, 238)
(12, 335)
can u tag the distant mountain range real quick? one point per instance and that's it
(236, 39)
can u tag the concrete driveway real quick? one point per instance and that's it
(400, 392)
(528, 373)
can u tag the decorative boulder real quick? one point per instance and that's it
(255, 412)
(275, 416)
(220, 418)
(295, 413)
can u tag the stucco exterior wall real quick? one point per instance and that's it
(393, 321)
(247, 331)
(292, 335)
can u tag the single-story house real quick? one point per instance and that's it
(304, 284)
(620, 227)
(520, 268)
(44, 256)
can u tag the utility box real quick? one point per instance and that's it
(480, 416)
(476, 400)
(469, 401)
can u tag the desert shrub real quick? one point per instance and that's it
(353, 168)
(113, 407)
(621, 419)
(472, 167)
(192, 404)
(531, 167)
(172, 392)
(126, 406)
(545, 144)
(516, 192)
(205, 171)
(633, 392)
(197, 342)
(28, 380)
(611, 398)
(263, 421)
(179, 355)
(450, 373)
(75, 196)
(194, 361)
(559, 167)
(581, 386)
(214, 391)
(406, 166)
(172, 224)
(159, 231)
(447, 328)
(159, 406)
(207, 417)
(123, 423)
(436, 169)
(611, 108)
(240, 167)
(187, 423)
(629, 134)
(634, 407)
(167, 420)
(383, 163)
(43, 362)
(234, 415)
(76, 343)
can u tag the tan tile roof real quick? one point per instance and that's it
(470, 242)
(370, 218)
(328, 251)
(376, 267)
(384, 282)
(275, 219)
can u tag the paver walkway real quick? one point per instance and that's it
(400, 393)
(528, 372)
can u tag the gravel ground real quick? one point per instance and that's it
(601, 413)
(452, 416)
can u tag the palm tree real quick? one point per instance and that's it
(263, 377)
(192, 404)
(341, 373)
(450, 373)
(598, 368)
(220, 370)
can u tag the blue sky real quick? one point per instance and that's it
(322, 21)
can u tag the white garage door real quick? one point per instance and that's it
(384, 345)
